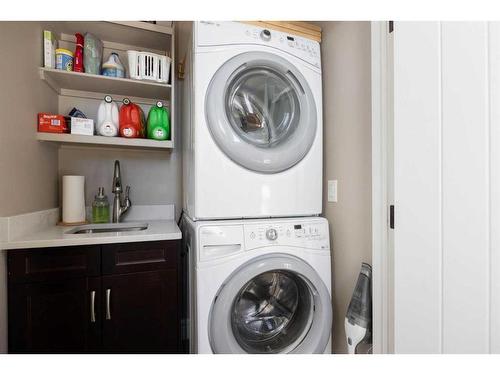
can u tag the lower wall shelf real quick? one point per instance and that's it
(89, 140)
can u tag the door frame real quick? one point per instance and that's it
(382, 186)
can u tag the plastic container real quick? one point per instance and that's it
(64, 59)
(132, 122)
(100, 208)
(113, 67)
(92, 54)
(78, 63)
(107, 118)
(148, 66)
(158, 126)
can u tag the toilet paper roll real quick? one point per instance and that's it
(73, 199)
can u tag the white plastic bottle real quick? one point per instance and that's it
(107, 118)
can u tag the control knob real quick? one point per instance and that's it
(265, 35)
(271, 234)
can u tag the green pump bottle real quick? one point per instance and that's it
(158, 122)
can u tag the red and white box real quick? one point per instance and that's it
(49, 123)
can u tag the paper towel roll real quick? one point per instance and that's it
(73, 199)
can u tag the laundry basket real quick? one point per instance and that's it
(149, 66)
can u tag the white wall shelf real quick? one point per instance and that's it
(134, 33)
(95, 140)
(61, 79)
(85, 91)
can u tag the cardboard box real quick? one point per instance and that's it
(82, 126)
(50, 123)
(49, 49)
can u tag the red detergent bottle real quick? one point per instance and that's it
(132, 120)
(78, 62)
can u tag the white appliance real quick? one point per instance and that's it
(253, 123)
(259, 286)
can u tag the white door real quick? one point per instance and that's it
(447, 187)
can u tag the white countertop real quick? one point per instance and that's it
(55, 236)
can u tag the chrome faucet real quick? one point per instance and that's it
(120, 204)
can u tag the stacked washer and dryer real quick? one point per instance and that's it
(259, 255)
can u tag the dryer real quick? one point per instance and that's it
(252, 133)
(259, 286)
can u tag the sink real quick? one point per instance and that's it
(108, 228)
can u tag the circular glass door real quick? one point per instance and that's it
(261, 112)
(262, 106)
(271, 312)
(275, 303)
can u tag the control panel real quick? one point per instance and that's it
(210, 33)
(310, 235)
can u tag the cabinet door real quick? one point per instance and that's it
(55, 317)
(140, 312)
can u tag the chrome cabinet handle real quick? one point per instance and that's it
(108, 298)
(92, 306)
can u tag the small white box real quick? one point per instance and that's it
(49, 49)
(82, 126)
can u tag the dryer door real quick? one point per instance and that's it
(275, 303)
(261, 112)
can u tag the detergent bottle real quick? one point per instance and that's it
(158, 122)
(113, 67)
(107, 118)
(132, 122)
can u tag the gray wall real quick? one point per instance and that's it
(347, 157)
(28, 168)
(153, 176)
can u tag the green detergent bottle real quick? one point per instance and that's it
(158, 122)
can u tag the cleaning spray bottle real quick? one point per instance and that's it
(358, 320)
(158, 123)
(78, 62)
(107, 118)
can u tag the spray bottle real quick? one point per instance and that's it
(78, 63)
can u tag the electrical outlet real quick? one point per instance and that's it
(332, 190)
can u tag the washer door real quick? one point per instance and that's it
(261, 112)
(275, 303)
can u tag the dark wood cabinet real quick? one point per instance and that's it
(52, 317)
(141, 305)
(95, 299)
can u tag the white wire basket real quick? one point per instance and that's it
(148, 66)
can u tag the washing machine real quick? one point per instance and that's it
(252, 131)
(259, 286)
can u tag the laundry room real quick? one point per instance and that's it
(211, 178)
(228, 187)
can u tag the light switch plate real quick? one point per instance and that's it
(332, 190)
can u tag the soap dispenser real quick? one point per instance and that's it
(100, 207)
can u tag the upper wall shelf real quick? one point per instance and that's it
(133, 33)
(61, 79)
